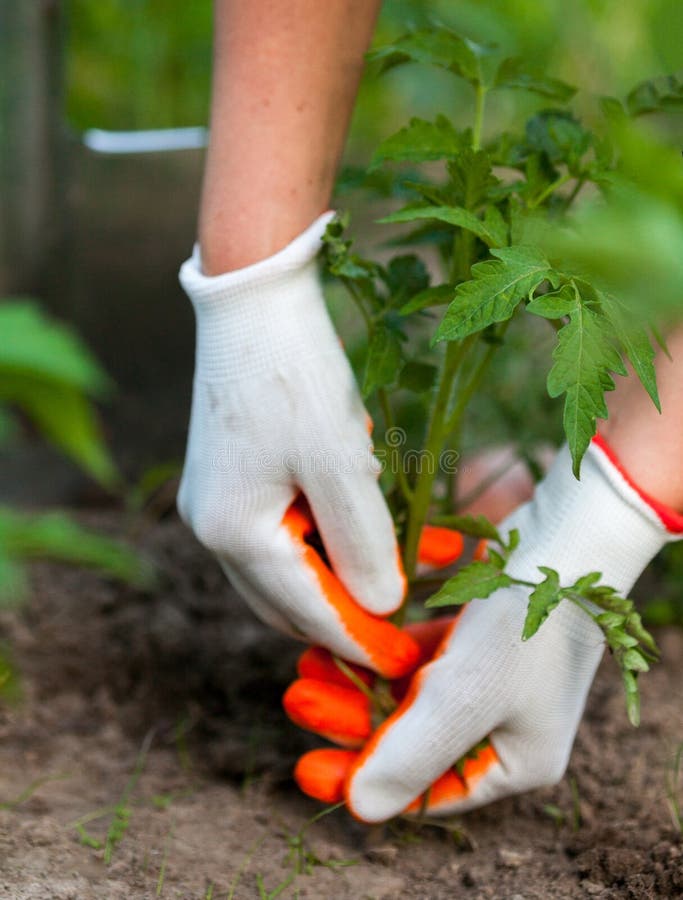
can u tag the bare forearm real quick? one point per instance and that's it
(285, 79)
(650, 445)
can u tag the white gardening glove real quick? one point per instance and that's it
(276, 413)
(485, 682)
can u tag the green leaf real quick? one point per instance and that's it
(477, 580)
(56, 536)
(471, 178)
(634, 625)
(558, 136)
(542, 600)
(635, 340)
(432, 296)
(583, 358)
(337, 253)
(555, 304)
(420, 141)
(619, 640)
(42, 348)
(496, 226)
(496, 288)
(384, 359)
(417, 377)
(656, 95)
(438, 47)
(515, 72)
(404, 276)
(474, 526)
(452, 215)
(608, 620)
(635, 661)
(66, 419)
(586, 582)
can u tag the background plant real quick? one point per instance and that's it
(500, 246)
(48, 379)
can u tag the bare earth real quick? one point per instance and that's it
(183, 686)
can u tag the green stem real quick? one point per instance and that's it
(479, 105)
(436, 434)
(358, 300)
(400, 473)
(472, 385)
(574, 192)
(550, 189)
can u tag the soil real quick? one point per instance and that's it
(182, 686)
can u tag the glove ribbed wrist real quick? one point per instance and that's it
(601, 522)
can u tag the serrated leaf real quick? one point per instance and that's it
(477, 580)
(634, 625)
(42, 348)
(496, 288)
(420, 141)
(417, 377)
(586, 582)
(337, 253)
(474, 526)
(438, 47)
(555, 304)
(558, 136)
(452, 215)
(655, 95)
(635, 661)
(496, 226)
(542, 601)
(635, 340)
(609, 599)
(471, 177)
(515, 72)
(384, 359)
(431, 296)
(583, 357)
(617, 639)
(611, 620)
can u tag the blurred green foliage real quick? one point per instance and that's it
(146, 63)
(49, 378)
(138, 63)
(48, 374)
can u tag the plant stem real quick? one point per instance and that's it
(465, 395)
(400, 473)
(358, 300)
(574, 192)
(479, 104)
(550, 189)
(436, 434)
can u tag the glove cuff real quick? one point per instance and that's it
(254, 278)
(600, 523)
(264, 316)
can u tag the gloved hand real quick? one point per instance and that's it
(484, 682)
(275, 413)
(343, 708)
